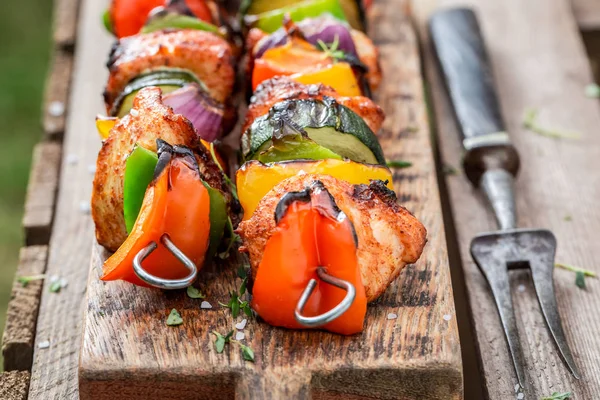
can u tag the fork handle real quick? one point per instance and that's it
(467, 72)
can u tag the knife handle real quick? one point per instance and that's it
(467, 73)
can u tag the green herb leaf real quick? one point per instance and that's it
(247, 310)
(332, 50)
(24, 280)
(243, 287)
(530, 122)
(580, 279)
(55, 286)
(449, 170)
(242, 271)
(247, 352)
(221, 340)
(194, 293)
(174, 318)
(234, 305)
(568, 218)
(559, 396)
(399, 164)
(232, 239)
(576, 269)
(592, 90)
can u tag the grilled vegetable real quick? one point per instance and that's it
(283, 88)
(339, 76)
(255, 179)
(177, 21)
(309, 226)
(127, 17)
(207, 56)
(389, 237)
(104, 125)
(323, 123)
(139, 170)
(176, 204)
(268, 15)
(168, 79)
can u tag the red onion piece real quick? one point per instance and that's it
(199, 108)
(324, 28)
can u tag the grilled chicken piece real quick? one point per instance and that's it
(283, 88)
(389, 236)
(203, 53)
(148, 120)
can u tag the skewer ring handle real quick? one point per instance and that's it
(157, 281)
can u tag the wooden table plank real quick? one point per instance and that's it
(54, 371)
(13, 385)
(587, 14)
(129, 351)
(22, 313)
(41, 193)
(57, 92)
(541, 65)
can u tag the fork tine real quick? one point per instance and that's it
(542, 269)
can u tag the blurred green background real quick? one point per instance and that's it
(25, 39)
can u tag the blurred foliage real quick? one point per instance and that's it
(25, 49)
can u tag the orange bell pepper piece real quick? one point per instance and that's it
(176, 203)
(296, 56)
(308, 235)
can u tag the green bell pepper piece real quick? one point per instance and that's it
(106, 21)
(272, 20)
(139, 171)
(180, 22)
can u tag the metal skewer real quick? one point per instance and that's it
(159, 282)
(335, 312)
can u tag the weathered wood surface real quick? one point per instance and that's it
(539, 61)
(14, 385)
(41, 193)
(21, 316)
(587, 14)
(65, 22)
(128, 351)
(56, 98)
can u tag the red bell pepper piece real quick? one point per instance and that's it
(176, 203)
(311, 232)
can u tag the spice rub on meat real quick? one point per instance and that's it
(389, 236)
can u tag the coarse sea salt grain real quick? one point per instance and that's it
(392, 315)
(205, 304)
(56, 108)
(521, 288)
(239, 336)
(72, 159)
(241, 325)
(63, 283)
(520, 396)
(92, 168)
(85, 207)
(447, 317)
(44, 345)
(517, 387)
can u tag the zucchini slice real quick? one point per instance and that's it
(168, 79)
(311, 129)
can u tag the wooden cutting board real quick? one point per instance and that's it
(128, 351)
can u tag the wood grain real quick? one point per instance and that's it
(128, 351)
(65, 22)
(54, 370)
(587, 14)
(41, 193)
(21, 316)
(57, 94)
(14, 385)
(541, 65)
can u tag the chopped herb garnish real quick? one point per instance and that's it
(332, 50)
(222, 340)
(247, 352)
(559, 396)
(530, 122)
(235, 302)
(399, 164)
(24, 280)
(174, 318)
(580, 273)
(232, 186)
(568, 218)
(194, 293)
(234, 237)
(592, 90)
(55, 286)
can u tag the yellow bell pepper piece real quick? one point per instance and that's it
(339, 76)
(255, 179)
(104, 125)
